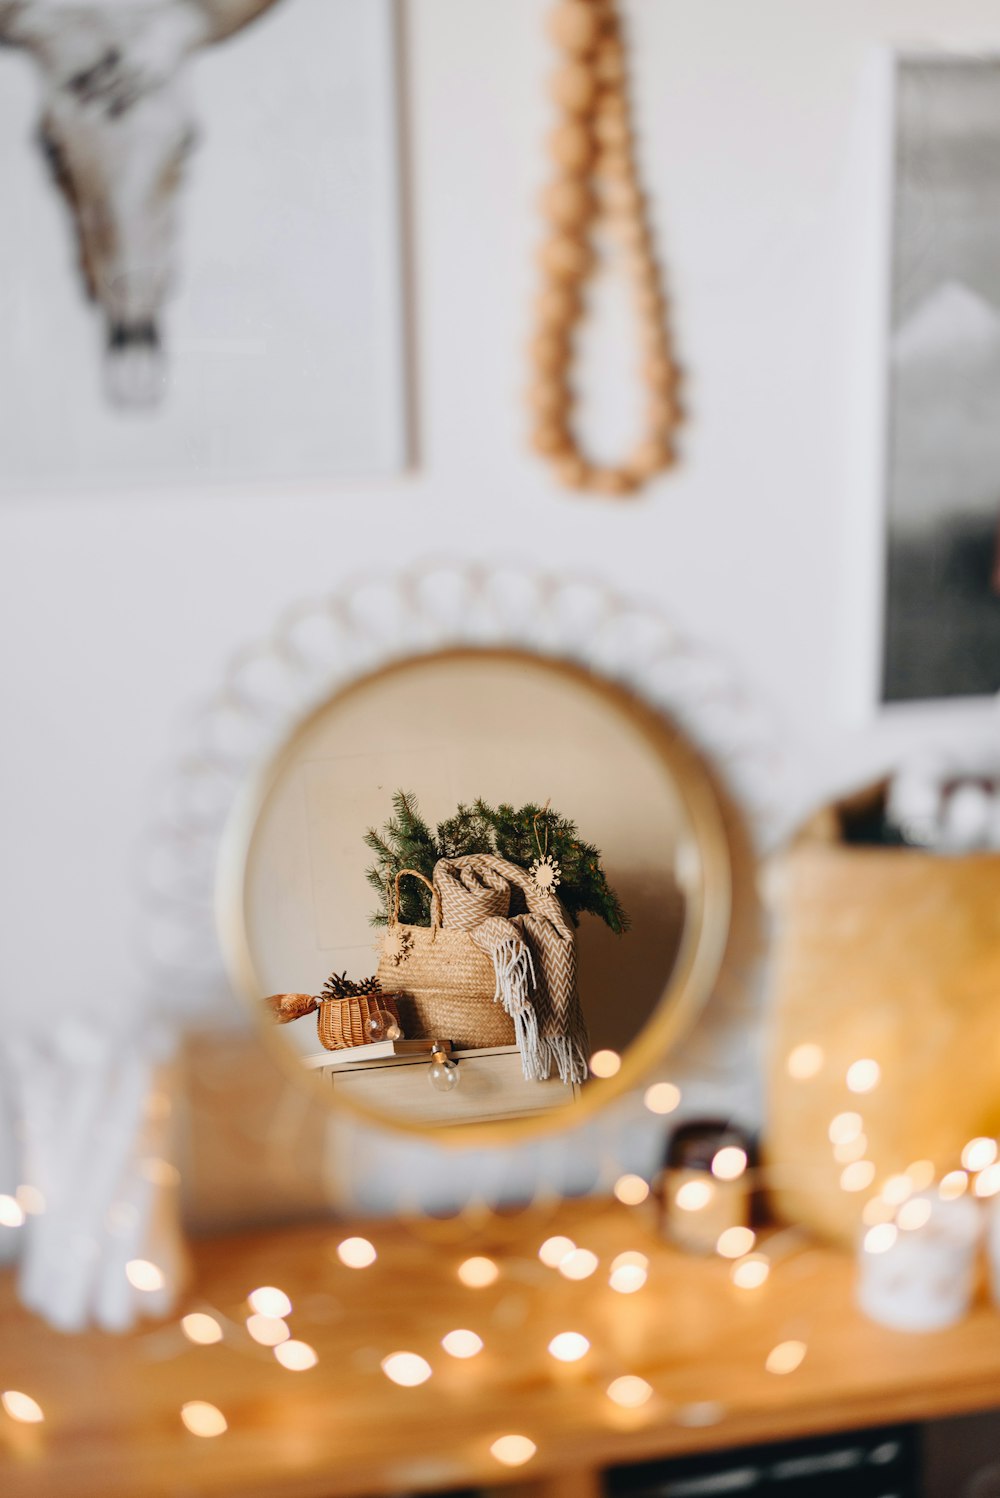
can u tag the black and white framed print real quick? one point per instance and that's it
(200, 244)
(941, 614)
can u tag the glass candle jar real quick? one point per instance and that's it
(921, 1278)
(705, 1186)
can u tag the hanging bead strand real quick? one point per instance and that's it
(596, 179)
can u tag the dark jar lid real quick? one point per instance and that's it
(694, 1145)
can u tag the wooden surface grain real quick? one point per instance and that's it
(112, 1405)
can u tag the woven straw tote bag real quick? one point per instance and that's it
(442, 983)
(888, 953)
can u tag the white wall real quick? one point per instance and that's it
(116, 612)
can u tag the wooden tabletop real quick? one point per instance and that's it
(112, 1405)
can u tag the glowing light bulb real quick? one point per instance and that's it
(629, 1391)
(21, 1407)
(692, 1196)
(953, 1185)
(203, 1419)
(786, 1357)
(734, 1242)
(628, 1279)
(268, 1300)
(631, 1190)
(11, 1212)
(662, 1097)
(805, 1061)
(554, 1250)
(863, 1076)
(569, 1347)
(914, 1214)
(844, 1128)
(630, 1256)
(880, 1238)
(750, 1273)
(442, 1073)
(728, 1164)
(269, 1331)
(201, 1328)
(979, 1153)
(478, 1272)
(408, 1369)
(605, 1063)
(628, 1272)
(297, 1357)
(513, 1451)
(356, 1253)
(376, 1025)
(921, 1173)
(578, 1265)
(896, 1189)
(858, 1176)
(462, 1343)
(143, 1275)
(988, 1181)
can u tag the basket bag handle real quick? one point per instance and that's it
(435, 900)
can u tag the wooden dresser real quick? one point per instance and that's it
(112, 1405)
(491, 1086)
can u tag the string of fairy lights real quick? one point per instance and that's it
(902, 1203)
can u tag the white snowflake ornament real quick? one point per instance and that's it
(546, 873)
(398, 944)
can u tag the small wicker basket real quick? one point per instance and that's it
(342, 1023)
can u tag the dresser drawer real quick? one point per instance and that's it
(491, 1085)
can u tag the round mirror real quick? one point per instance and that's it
(479, 892)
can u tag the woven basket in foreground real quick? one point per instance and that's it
(342, 1023)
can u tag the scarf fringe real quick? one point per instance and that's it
(515, 975)
(568, 1056)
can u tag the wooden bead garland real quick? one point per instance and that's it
(596, 179)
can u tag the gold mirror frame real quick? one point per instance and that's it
(699, 959)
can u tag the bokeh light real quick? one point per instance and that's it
(478, 1272)
(513, 1451)
(356, 1253)
(629, 1391)
(201, 1328)
(268, 1300)
(662, 1097)
(408, 1369)
(203, 1419)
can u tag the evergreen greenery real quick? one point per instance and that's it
(407, 842)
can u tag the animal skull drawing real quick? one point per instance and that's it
(116, 125)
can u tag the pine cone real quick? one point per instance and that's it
(340, 986)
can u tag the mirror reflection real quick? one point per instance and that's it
(470, 884)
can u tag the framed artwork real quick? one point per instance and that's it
(941, 614)
(200, 271)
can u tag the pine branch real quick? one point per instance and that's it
(406, 841)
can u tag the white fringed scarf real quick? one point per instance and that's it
(533, 954)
